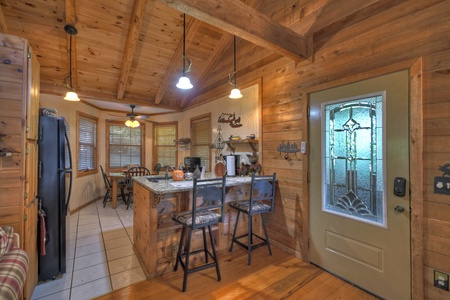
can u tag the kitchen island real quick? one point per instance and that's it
(156, 236)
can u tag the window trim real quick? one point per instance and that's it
(154, 158)
(95, 169)
(199, 118)
(108, 123)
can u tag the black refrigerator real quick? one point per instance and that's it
(53, 164)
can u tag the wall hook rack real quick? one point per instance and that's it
(288, 148)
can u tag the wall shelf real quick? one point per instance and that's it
(232, 144)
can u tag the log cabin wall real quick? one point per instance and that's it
(373, 38)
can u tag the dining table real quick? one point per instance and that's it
(115, 178)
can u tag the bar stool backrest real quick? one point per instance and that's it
(208, 195)
(262, 190)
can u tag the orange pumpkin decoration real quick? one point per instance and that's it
(178, 175)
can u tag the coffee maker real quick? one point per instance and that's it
(190, 163)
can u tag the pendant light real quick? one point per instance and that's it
(184, 82)
(70, 95)
(235, 93)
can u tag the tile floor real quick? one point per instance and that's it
(100, 255)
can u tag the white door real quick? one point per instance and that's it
(360, 221)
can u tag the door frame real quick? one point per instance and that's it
(416, 162)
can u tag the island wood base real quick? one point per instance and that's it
(156, 236)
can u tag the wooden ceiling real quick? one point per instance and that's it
(130, 51)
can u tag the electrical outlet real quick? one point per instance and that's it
(441, 280)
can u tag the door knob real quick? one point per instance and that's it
(398, 209)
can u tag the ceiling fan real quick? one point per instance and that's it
(132, 122)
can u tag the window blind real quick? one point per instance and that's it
(201, 140)
(165, 150)
(87, 144)
(124, 145)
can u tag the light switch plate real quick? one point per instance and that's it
(303, 147)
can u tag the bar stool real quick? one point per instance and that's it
(262, 196)
(207, 209)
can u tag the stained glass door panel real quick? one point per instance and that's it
(353, 158)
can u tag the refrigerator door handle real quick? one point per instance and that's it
(69, 170)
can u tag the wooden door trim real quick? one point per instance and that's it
(416, 153)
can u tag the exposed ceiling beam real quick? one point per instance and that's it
(240, 19)
(130, 46)
(71, 20)
(191, 28)
(3, 26)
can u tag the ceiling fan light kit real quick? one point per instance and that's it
(132, 122)
(70, 95)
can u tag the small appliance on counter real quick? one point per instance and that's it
(190, 163)
(233, 163)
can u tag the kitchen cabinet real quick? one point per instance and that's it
(19, 99)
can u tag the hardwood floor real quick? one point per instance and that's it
(280, 276)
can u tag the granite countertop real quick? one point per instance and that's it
(158, 185)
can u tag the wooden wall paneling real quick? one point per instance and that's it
(432, 258)
(391, 13)
(374, 55)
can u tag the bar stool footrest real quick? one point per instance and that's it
(255, 246)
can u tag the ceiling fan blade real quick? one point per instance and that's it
(114, 116)
(141, 117)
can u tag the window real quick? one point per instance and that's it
(125, 145)
(87, 144)
(353, 160)
(201, 139)
(165, 151)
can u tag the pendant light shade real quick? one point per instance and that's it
(235, 93)
(70, 95)
(184, 82)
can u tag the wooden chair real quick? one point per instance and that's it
(108, 187)
(133, 171)
(262, 196)
(208, 197)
